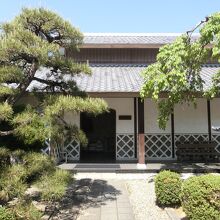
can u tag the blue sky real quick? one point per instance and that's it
(122, 15)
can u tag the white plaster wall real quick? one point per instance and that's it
(188, 119)
(72, 118)
(28, 99)
(123, 106)
(150, 118)
(215, 113)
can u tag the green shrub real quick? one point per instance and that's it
(6, 214)
(168, 188)
(12, 182)
(200, 197)
(38, 164)
(19, 154)
(4, 157)
(24, 209)
(53, 187)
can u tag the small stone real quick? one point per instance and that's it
(32, 192)
(82, 190)
(45, 217)
(13, 202)
(39, 206)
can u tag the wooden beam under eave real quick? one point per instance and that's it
(113, 94)
(121, 45)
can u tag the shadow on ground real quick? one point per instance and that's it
(83, 194)
(191, 167)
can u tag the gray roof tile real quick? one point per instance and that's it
(144, 38)
(122, 78)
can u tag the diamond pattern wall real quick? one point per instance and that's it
(216, 139)
(125, 146)
(72, 149)
(158, 146)
(190, 138)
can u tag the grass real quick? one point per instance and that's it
(24, 209)
(31, 168)
(53, 187)
(12, 182)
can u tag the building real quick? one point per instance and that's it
(129, 131)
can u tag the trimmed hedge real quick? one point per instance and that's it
(200, 197)
(168, 188)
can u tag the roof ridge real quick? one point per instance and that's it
(211, 65)
(135, 34)
(140, 64)
(118, 64)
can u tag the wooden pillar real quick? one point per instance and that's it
(209, 120)
(141, 144)
(135, 127)
(172, 135)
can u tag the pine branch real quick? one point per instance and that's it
(22, 87)
(6, 133)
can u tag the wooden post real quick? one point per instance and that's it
(141, 156)
(141, 141)
(209, 120)
(172, 135)
(135, 127)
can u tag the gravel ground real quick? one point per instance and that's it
(142, 198)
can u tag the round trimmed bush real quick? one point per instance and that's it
(200, 197)
(168, 188)
(5, 214)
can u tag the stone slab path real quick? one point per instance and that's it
(108, 200)
(111, 196)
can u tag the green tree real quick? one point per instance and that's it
(31, 63)
(176, 73)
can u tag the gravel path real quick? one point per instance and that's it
(142, 198)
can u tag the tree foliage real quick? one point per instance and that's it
(30, 43)
(176, 74)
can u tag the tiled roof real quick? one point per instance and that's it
(112, 78)
(144, 38)
(126, 78)
(121, 77)
(207, 71)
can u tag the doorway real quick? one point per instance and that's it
(101, 134)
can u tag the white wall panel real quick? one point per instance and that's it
(215, 113)
(72, 118)
(188, 119)
(150, 118)
(123, 106)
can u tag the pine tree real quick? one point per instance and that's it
(30, 44)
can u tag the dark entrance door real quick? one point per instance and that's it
(101, 133)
